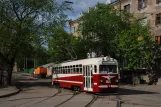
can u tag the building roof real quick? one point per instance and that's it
(74, 21)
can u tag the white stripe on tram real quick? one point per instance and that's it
(106, 86)
(65, 75)
(77, 82)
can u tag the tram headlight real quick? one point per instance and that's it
(117, 80)
(101, 81)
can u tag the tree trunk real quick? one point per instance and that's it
(10, 69)
(9, 77)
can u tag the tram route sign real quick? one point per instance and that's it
(108, 63)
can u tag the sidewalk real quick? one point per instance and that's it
(8, 91)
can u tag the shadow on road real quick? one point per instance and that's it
(35, 83)
(123, 91)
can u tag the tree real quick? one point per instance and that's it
(101, 27)
(137, 46)
(22, 23)
(63, 46)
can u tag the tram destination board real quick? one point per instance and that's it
(108, 62)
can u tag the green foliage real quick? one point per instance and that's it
(22, 23)
(22, 26)
(101, 28)
(115, 33)
(63, 46)
(136, 45)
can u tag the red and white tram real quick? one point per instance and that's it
(91, 75)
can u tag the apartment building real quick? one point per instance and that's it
(74, 24)
(74, 27)
(148, 11)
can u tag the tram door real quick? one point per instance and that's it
(88, 77)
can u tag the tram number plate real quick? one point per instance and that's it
(107, 81)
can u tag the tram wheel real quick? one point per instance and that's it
(79, 89)
(75, 88)
(57, 85)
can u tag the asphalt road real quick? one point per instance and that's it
(39, 93)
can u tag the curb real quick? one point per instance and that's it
(11, 94)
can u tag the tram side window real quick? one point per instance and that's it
(95, 69)
(77, 69)
(91, 70)
(71, 69)
(59, 70)
(56, 70)
(81, 70)
(80, 66)
(66, 69)
(84, 70)
(62, 70)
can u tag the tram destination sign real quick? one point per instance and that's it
(108, 62)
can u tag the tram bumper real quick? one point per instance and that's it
(108, 88)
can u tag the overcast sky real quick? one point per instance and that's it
(79, 6)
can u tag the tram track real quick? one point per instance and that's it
(95, 97)
(13, 93)
(74, 94)
(58, 92)
(118, 99)
(54, 95)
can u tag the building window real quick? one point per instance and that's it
(73, 29)
(158, 19)
(127, 8)
(157, 39)
(144, 21)
(158, 1)
(142, 4)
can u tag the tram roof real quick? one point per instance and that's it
(86, 61)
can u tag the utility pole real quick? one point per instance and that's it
(26, 62)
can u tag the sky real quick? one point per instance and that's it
(80, 6)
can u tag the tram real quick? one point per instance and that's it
(89, 75)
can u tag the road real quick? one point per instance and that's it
(39, 93)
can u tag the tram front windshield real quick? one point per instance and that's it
(108, 69)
